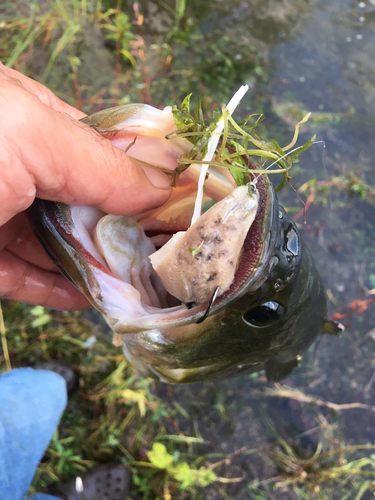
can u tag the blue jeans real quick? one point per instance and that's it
(31, 404)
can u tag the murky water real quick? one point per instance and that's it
(297, 56)
(320, 57)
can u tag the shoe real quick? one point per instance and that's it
(61, 368)
(104, 482)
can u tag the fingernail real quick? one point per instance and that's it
(158, 179)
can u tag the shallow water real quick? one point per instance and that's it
(322, 59)
(297, 56)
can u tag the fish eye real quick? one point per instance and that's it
(263, 315)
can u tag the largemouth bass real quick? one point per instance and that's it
(242, 267)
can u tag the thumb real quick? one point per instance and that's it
(48, 154)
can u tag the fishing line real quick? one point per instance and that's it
(334, 229)
(325, 171)
(254, 181)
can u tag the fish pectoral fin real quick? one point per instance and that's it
(332, 327)
(276, 371)
(116, 341)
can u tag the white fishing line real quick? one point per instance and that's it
(211, 148)
(254, 182)
(323, 155)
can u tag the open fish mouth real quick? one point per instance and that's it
(108, 256)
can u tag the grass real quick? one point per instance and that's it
(319, 475)
(113, 415)
(117, 415)
(95, 53)
(99, 54)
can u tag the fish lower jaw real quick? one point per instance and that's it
(201, 262)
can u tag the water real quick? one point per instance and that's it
(318, 57)
(297, 56)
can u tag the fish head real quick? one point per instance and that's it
(271, 306)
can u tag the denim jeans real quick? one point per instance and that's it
(31, 404)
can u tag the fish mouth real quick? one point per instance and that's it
(133, 299)
(90, 248)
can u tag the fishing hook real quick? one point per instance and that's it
(213, 298)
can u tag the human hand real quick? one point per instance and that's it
(46, 152)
